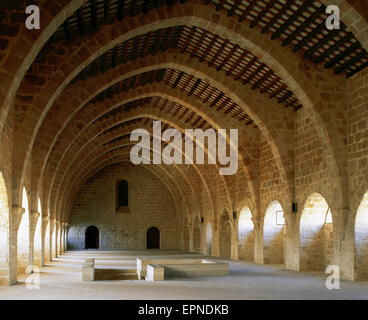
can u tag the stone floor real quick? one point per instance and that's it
(61, 279)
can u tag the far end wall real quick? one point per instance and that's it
(150, 204)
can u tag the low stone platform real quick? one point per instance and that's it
(90, 273)
(157, 268)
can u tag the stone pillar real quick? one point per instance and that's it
(234, 241)
(258, 240)
(59, 248)
(33, 218)
(66, 235)
(16, 217)
(62, 230)
(44, 245)
(344, 244)
(346, 252)
(215, 239)
(56, 242)
(191, 242)
(52, 231)
(291, 252)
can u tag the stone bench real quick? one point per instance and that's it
(88, 270)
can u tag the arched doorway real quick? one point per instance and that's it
(225, 236)
(92, 238)
(209, 238)
(315, 235)
(245, 235)
(361, 240)
(153, 238)
(273, 234)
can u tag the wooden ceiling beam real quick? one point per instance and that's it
(155, 47)
(133, 8)
(261, 79)
(169, 3)
(80, 21)
(236, 113)
(333, 48)
(245, 68)
(94, 15)
(194, 87)
(185, 86)
(227, 58)
(204, 88)
(277, 91)
(183, 49)
(342, 55)
(340, 69)
(223, 104)
(309, 37)
(67, 30)
(270, 85)
(291, 19)
(181, 74)
(218, 98)
(107, 11)
(263, 12)
(247, 10)
(277, 16)
(252, 74)
(292, 36)
(237, 61)
(114, 59)
(198, 44)
(360, 68)
(145, 7)
(233, 8)
(308, 54)
(170, 76)
(209, 95)
(221, 49)
(120, 11)
(154, 76)
(164, 104)
(165, 43)
(220, 5)
(285, 96)
(231, 108)
(208, 48)
(146, 44)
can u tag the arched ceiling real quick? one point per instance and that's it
(296, 24)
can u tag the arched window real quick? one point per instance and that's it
(122, 194)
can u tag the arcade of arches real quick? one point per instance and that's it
(72, 92)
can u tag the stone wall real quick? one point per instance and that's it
(150, 204)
